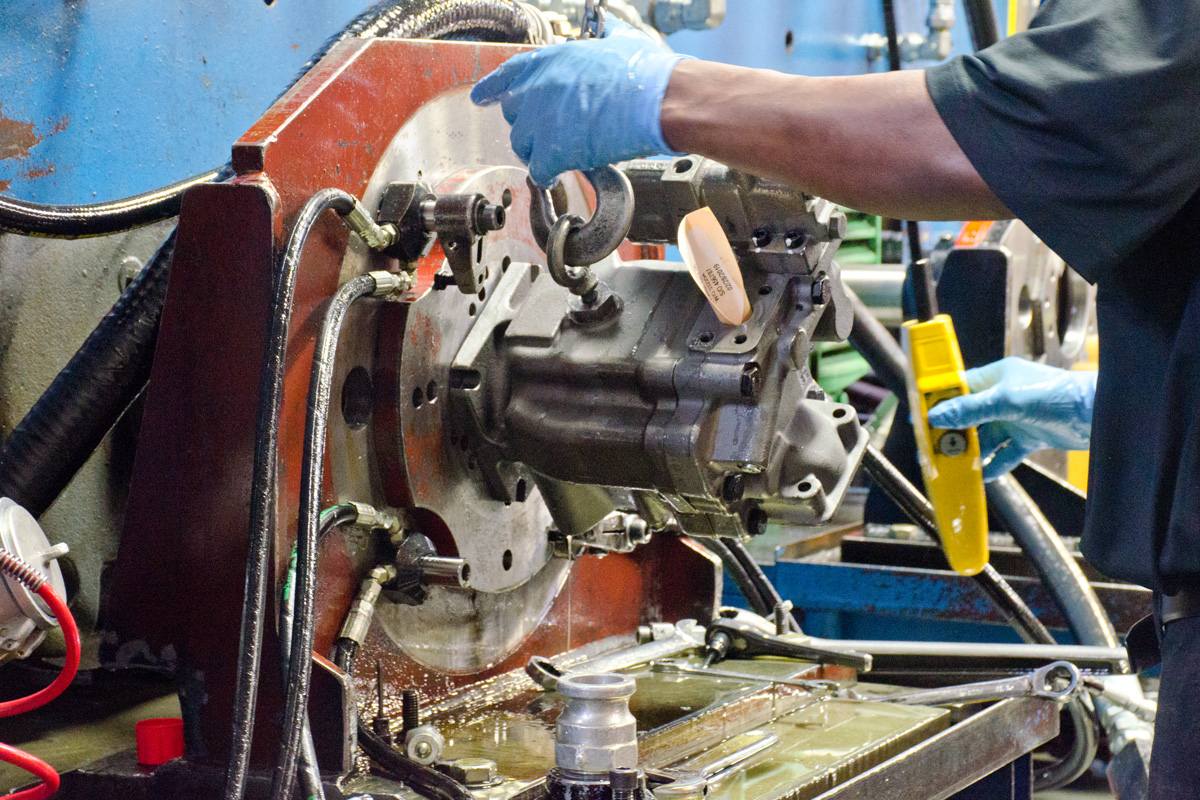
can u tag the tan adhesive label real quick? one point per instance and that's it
(706, 251)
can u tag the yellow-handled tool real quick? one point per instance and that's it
(949, 459)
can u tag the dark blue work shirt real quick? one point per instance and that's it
(1087, 126)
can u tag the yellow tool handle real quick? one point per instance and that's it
(950, 460)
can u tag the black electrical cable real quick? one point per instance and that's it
(262, 488)
(96, 219)
(426, 781)
(311, 480)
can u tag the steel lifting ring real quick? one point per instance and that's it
(579, 280)
(597, 238)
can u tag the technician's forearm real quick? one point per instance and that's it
(872, 142)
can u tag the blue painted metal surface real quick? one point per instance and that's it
(104, 98)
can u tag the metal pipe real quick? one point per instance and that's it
(880, 349)
(881, 289)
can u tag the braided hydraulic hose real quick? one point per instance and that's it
(96, 219)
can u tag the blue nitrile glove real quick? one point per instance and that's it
(1021, 407)
(583, 103)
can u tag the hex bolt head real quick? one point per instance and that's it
(733, 488)
(472, 771)
(751, 380)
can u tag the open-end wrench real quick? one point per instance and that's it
(687, 636)
(681, 666)
(1058, 681)
(735, 638)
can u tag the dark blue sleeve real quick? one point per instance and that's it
(1087, 125)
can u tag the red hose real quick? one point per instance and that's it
(32, 764)
(71, 634)
(12, 755)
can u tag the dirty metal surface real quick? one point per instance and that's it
(823, 585)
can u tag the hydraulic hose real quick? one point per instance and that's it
(757, 580)
(426, 781)
(1071, 591)
(96, 219)
(917, 508)
(262, 488)
(70, 419)
(310, 774)
(311, 479)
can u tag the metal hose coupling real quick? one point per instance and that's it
(596, 734)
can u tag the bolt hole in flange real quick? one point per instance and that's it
(739, 339)
(505, 263)
(506, 560)
(431, 391)
(682, 165)
(705, 338)
(839, 413)
(804, 487)
(506, 199)
(764, 290)
(418, 397)
(358, 398)
(522, 490)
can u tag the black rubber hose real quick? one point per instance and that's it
(70, 419)
(878, 347)
(262, 488)
(96, 219)
(310, 774)
(311, 481)
(426, 781)
(917, 508)
(740, 577)
(1060, 574)
(771, 598)
(981, 20)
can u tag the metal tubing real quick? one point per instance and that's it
(880, 349)
(880, 287)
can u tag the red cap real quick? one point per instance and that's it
(159, 740)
